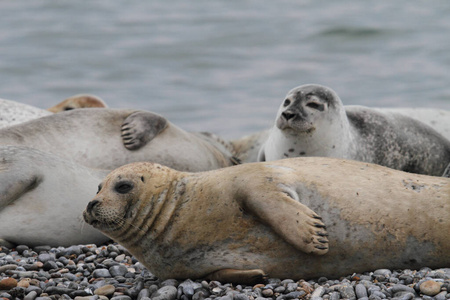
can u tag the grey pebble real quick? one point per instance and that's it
(44, 257)
(121, 297)
(30, 296)
(347, 291)
(168, 292)
(360, 291)
(101, 273)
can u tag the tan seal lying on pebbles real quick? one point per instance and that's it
(42, 197)
(292, 218)
(12, 112)
(312, 121)
(108, 138)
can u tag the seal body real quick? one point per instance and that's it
(247, 148)
(292, 218)
(108, 138)
(12, 113)
(42, 197)
(313, 122)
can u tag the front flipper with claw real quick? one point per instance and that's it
(141, 127)
(250, 277)
(296, 223)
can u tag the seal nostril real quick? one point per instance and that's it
(92, 204)
(288, 115)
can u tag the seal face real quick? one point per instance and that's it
(78, 101)
(292, 218)
(312, 121)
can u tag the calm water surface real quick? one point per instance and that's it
(224, 66)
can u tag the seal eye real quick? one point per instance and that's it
(123, 187)
(286, 102)
(316, 105)
(99, 188)
(68, 108)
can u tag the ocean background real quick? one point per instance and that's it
(224, 66)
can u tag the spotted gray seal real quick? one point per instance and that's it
(312, 121)
(42, 197)
(108, 138)
(292, 218)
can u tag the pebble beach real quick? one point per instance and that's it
(90, 272)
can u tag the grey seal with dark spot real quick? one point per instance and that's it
(312, 121)
(292, 218)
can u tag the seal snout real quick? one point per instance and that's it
(91, 205)
(288, 115)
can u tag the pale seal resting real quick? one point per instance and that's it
(12, 112)
(108, 138)
(292, 218)
(312, 121)
(42, 197)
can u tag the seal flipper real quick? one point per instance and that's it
(296, 223)
(261, 154)
(250, 277)
(141, 127)
(13, 186)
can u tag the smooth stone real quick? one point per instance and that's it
(360, 291)
(401, 288)
(383, 272)
(430, 287)
(441, 296)
(8, 283)
(172, 282)
(144, 293)
(168, 292)
(106, 290)
(101, 273)
(45, 257)
(51, 290)
(318, 292)
(347, 291)
(43, 298)
(30, 296)
(5, 268)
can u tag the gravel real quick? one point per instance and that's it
(88, 272)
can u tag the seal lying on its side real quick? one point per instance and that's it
(42, 197)
(12, 112)
(313, 122)
(237, 224)
(102, 138)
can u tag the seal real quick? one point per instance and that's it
(312, 121)
(12, 112)
(42, 197)
(247, 148)
(78, 101)
(108, 138)
(292, 218)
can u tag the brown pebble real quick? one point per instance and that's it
(8, 283)
(260, 285)
(430, 287)
(25, 283)
(308, 288)
(267, 293)
(106, 290)
(39, 264)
